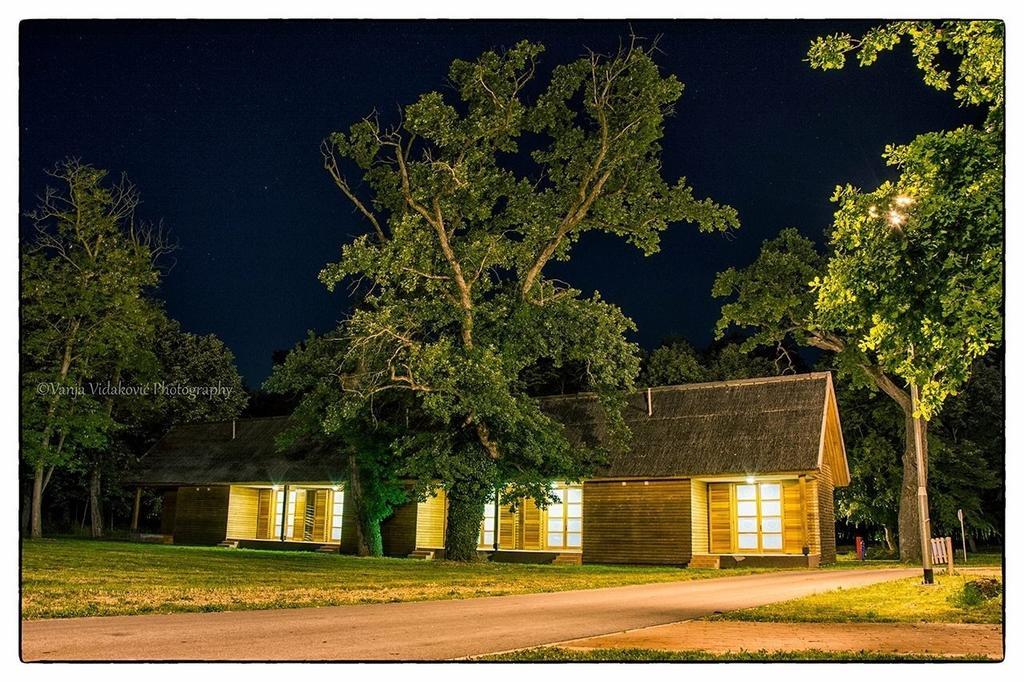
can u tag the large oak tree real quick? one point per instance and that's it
(468, 198)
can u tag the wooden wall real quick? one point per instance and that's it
(399, 530)
(243, 511)
(793, 522)
(348, 527)
(826, 515)
(636, 522)
(202, 515)
(431, 515)
(699, 517)
(721, 504)
(168, 508)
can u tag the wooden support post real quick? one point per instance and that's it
(803, 514)
(135, 508)
(284, 513)
(949, 554)
(497, 518)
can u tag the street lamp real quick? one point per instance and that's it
(896, 217)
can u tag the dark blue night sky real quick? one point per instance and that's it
(219, 125)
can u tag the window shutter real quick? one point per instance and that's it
(720, 517)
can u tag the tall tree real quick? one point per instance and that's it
(191, 360)
(911, 290)
(965, 443)
(469, 201)
(83, 275)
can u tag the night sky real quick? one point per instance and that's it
(219, 125)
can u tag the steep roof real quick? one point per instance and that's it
(203, 454)
(743, 427)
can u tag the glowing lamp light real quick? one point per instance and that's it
(904, 200)
(750, 480)
(896, 218)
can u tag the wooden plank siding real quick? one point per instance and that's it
(201, 516)
(431, 516)
(826, 515)
(721, 505)
(399, 530)
(699, 530)
(168, 508)
(264, 513)
(793, 540)
(243, 511)
(636, 522)
(348, 527)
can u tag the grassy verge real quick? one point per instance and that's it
(63, 578)
(848, 560)
(636, 655)
(898, 601)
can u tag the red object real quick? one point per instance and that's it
(860, 548)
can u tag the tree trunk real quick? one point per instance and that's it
(465, 510)
(909, 521)
(37, 501)
(971, 545)
(888, 538)
(355, 498)
(95, 510)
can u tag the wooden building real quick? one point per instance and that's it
(718, 474)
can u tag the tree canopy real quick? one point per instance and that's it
(468, 201)
(910, 290)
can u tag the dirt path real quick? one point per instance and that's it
(733, 636)
(414, 631)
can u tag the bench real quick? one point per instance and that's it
(942, 552)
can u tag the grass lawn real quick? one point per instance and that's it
(628, 655)
(848, 560)
(63, 578)
(898, 601)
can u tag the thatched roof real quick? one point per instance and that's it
(206, 454)
(743, 427)
(750, 426)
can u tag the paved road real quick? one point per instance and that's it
(419, 630)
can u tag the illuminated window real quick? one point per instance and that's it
(487, 525)
(565, 517)
(278, 513)
(759, 517)
(291, 514)
(337, 511)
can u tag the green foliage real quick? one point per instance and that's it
(677, 362)
(326, 414)
(976, 592)
(965, 446)
(916, 265)
(456, 309)
(187, 359)
(83, 275)
(978, 46)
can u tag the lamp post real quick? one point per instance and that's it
(922, 491)
(896, 218)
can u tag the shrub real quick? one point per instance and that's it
(975, 592)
